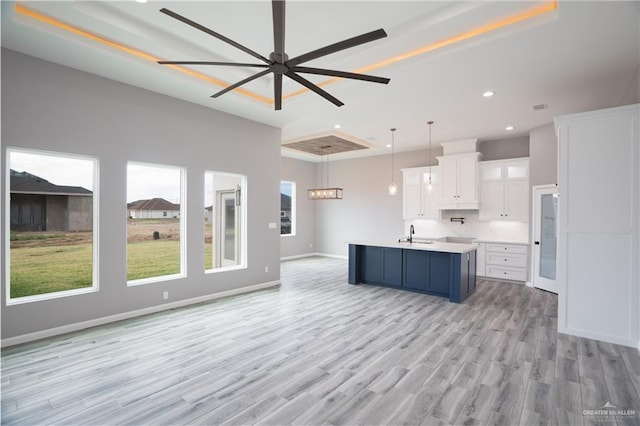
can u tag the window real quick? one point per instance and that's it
(287, 208)
(52, 221)
(155, 226)
(225, 221)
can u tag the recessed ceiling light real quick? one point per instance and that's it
(488, 94)
(337, 126)
(141, 1)
(509, 128)
(388, 145)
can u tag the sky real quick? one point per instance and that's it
(68, 171)
(144, 181)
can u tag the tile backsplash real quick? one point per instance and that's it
(472, 227)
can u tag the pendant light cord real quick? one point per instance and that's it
(393, 146)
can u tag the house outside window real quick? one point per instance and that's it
(287, 208)
(51, 213)
(155, 225)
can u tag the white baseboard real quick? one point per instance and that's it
(598, 336)
(529, 284)
(334, 256)
(300, 256)
(297, 256)
(43, 334)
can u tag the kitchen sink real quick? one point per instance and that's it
(417, 241)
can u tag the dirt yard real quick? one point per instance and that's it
(137, 230)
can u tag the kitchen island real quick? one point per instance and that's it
(437, 268)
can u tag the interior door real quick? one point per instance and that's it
(545, 213)
(228, 235)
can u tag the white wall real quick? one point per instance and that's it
(54, 108)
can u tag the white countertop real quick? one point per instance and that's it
(437, 246)
(489, 241)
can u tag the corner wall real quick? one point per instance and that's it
(54, 108)
(303, 173)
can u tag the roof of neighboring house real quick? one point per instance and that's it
(27, 183)
(152, 204)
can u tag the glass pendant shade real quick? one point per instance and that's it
(393, 188)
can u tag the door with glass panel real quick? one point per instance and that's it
(228, 229)
(545, 213)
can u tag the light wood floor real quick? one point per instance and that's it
(320, 351)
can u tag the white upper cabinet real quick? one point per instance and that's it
(504, 189)
(459, 181)
(418, 201)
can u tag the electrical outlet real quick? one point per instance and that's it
(266, 269)
(165, 295)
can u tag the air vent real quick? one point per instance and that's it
(539, 107)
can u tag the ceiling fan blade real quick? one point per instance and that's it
(228, 64)
(240, 83)
(278, 29)
(309, 85)
(343, 74)
(277, 91)
(213, 33)
(336, 47)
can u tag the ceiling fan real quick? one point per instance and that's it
(279, 63)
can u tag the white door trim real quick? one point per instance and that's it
(536, 280)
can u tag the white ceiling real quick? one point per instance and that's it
(581, 56)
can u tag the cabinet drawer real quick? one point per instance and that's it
(517, 274)
(507, 248)
(502, 259)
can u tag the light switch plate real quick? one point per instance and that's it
(273, 225)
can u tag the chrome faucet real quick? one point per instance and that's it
(411, 232)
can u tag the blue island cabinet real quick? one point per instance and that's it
(451, 275)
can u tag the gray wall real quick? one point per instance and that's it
(303, 173)
(49, 107)
(501, 149)
(367, 210)
(543, 163)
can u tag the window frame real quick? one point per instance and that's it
(183, 228)
(95, 264)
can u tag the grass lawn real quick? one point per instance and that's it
(39, 270)
(152, 259)
(52, 268)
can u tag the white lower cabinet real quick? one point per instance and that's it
(502, 261)
(481, 259)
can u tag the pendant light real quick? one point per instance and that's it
(429, 185)
(324, 193)
(393, 188)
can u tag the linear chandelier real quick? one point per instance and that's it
(325, 193)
